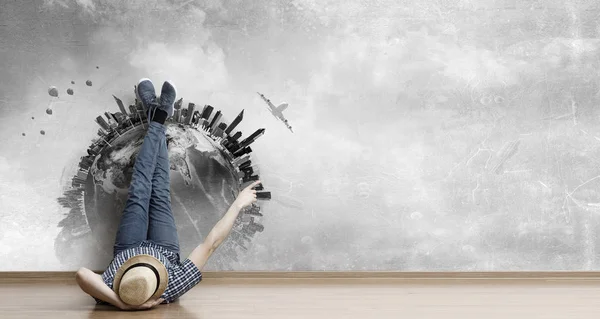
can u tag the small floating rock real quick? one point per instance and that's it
(88, 83)
(23, 134)
(97, 67)
(70, 91)
(53, 91)
(72, 82)
(33, 118)
(43, 132)
(49, 111)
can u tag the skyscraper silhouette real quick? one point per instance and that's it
(245, 165)
(247, 170)
(120, 104)
(206, 112)
(241, 160)
(242, 151)
(235, 122)
(178, 104)
(235, 147)
(250, 179)
(196, 117)
(102, 122)
(252, 137)
(132, 110)
(219, 130)
(236, 136)
(85, 163)
(177, 111)
(215, 120)
(184, 114)
(190, 112)
(112, 121)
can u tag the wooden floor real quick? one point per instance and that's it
(327, 298)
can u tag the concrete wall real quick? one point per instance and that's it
(427, 135)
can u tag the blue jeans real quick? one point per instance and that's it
(147, 215)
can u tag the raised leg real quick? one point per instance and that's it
(133, 228)
(162, 229)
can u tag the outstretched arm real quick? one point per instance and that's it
(221, 230)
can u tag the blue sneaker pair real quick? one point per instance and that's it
(145, 93)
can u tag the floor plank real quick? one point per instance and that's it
(331, 298)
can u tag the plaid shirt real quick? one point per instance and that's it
(183, 276)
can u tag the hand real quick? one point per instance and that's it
(247, 196)
(147, 305)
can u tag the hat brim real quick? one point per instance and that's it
(163, 275)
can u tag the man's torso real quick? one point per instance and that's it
(182, 275)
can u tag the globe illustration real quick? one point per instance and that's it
(208, 168)
(203, 184)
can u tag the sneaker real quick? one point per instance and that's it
(147, 95)
(167, 98)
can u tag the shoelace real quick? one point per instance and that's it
(152, 107)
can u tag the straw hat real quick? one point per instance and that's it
(140, 278)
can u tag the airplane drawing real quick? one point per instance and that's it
(277, 111)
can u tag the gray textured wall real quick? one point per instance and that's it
(429, 135)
